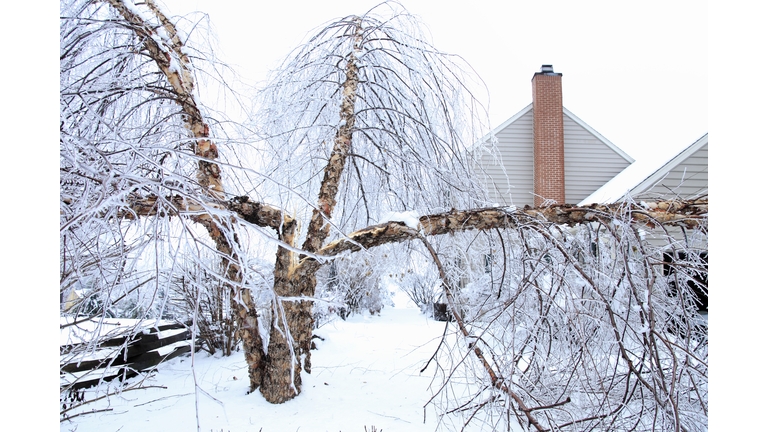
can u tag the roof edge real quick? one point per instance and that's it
(486, 138)
(597, 134)
(671, 164)
(501, 127)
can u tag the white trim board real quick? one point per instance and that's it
(659, 174)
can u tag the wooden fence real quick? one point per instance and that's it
(120, 360)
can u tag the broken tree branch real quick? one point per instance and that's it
(496, 380)
(691, 213)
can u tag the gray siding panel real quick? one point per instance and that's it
(589, 163)
(689, 179)
(512, 184)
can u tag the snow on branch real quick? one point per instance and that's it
(691, 214)
(165, 48)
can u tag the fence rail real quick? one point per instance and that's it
(130, 356)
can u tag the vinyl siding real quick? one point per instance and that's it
(685, 179)
(689, 179)
(510, 182)
(589, 163)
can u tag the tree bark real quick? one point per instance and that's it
(291, 335)
(277, 373)
(208, 175)
(689, 213)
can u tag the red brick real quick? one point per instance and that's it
(548, 159)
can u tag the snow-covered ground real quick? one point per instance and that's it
(365, 373)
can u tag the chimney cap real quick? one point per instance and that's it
(547, 69)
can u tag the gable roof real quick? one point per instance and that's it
(654, 178)
(487, 137)
(567, 112)
(505, 159)
(642, 176)
(597, 135)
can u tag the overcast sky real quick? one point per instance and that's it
(637, 73)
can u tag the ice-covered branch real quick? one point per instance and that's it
(686, 213)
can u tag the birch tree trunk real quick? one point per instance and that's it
(167, 52)
(291, 334)
(405, 150)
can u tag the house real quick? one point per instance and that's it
(684, 176)
(545, 153)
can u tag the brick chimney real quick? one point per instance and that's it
(548, 159)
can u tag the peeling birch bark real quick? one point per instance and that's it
(298, 315)
(691, 214)
(277, 374)
(163, 50)
(298, 280)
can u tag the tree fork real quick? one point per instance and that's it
(687, 213)
(278, 373)
(283, 379)
(297, 280)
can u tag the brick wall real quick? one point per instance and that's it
(548, 160)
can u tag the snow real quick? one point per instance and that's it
(83, 332)
(132, 7)
(619, 186)
(165, 350)
(410, 218)
(365, 373)
(623, 182)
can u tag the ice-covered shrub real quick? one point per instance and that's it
(352, 285)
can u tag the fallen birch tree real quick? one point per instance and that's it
(383, 116)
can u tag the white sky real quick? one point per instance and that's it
(637, 73)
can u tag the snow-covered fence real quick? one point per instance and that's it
(123, 356)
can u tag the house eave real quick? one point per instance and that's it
(659, 174)
(597, 135)
(486, 139)
(622, 184)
